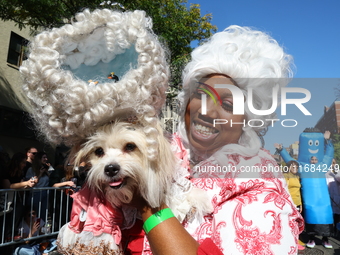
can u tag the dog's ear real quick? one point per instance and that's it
(81, 153)
(161, 171)
(166, 160)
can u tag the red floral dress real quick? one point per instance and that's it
(253, 211)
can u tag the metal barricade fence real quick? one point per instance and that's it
(52, 205)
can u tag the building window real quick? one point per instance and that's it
(16, 124)
(16, 50)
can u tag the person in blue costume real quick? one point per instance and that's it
(315, 157)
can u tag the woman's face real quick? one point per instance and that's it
(203, 134)
(22, 164)
(44, 159)
(335, 168)
(31, 216)
(293, 169)
(313, 160)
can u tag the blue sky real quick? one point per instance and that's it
(307, 29)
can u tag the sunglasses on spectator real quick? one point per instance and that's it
(34, 153)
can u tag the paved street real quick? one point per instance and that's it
(319, 249)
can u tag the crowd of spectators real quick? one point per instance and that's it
(29, 200)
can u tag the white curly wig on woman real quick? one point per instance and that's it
(66, 75)
(253, 60)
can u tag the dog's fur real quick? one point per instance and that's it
(120, 169)
(122, 172)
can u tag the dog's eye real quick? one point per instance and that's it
(130, 147)
(99, 152)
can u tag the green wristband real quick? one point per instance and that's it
(156, 219)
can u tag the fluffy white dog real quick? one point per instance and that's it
(120, 166)
(120, 169)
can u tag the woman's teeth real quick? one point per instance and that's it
(205, 130)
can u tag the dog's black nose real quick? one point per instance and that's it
(112, 169)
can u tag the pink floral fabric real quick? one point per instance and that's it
(101, 217)
(253, 211)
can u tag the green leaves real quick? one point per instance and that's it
(336, 144)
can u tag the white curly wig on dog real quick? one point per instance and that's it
(65, 75)
(253, 60)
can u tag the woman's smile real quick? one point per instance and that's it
(203, 132)
(205, 136)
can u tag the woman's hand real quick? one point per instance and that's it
(42, 171)
(34, 229)
(30, 183)
(278, 146)
(327, 135)
(169, 237)
(69, 183)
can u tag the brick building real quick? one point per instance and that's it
(330, 120)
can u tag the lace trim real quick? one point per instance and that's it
(78, 248)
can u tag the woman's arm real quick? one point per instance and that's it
(61, 184)
(283, 153)
(169, 237)
(22, 184)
